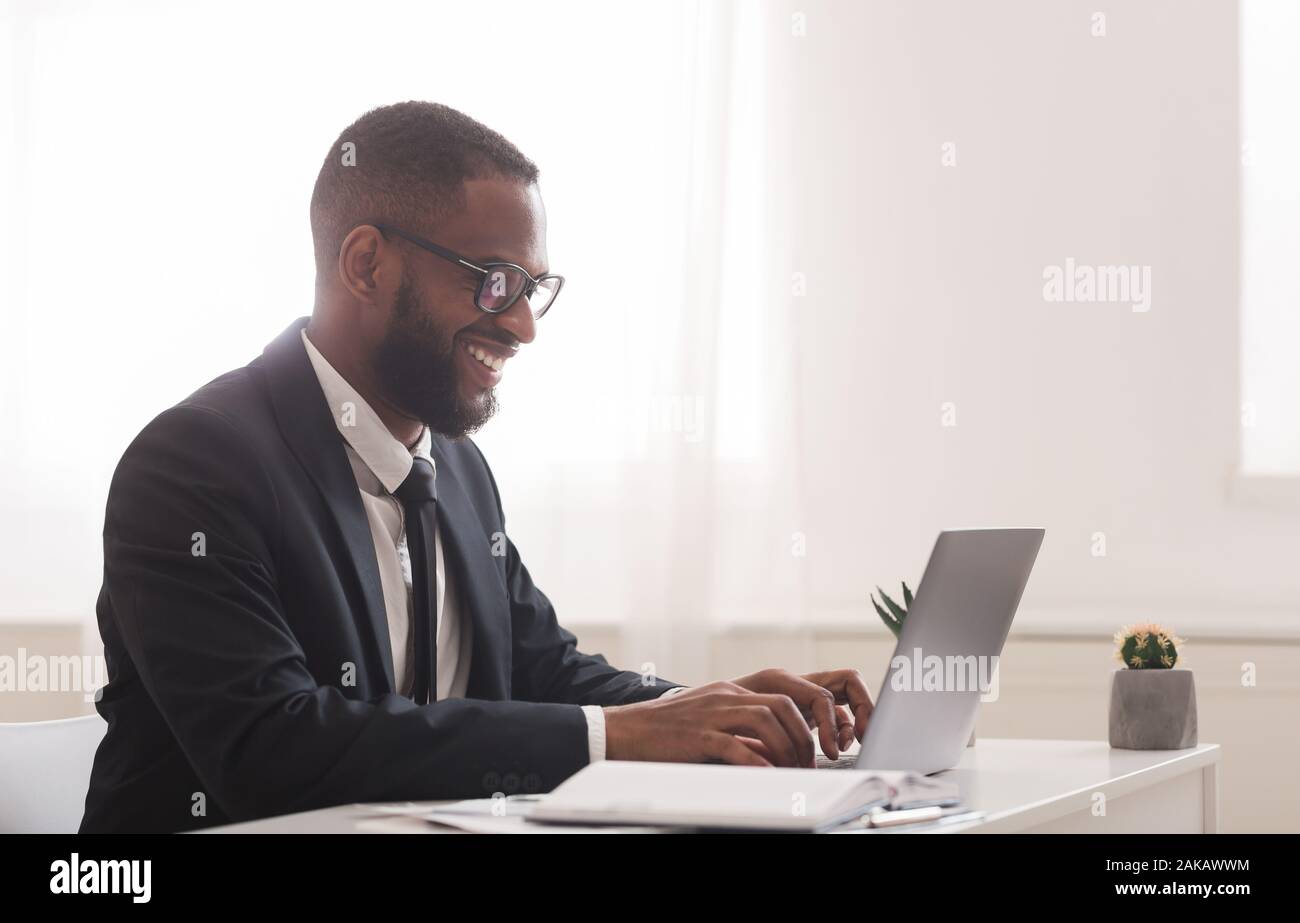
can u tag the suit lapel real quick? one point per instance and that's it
(309, 429)
(482, 593)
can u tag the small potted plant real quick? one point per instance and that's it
(1152, 704)
(894, 615)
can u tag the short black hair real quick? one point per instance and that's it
(406, 165)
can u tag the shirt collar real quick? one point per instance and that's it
(385, 456)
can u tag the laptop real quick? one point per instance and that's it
(946, 657)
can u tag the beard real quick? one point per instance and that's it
(415, 368)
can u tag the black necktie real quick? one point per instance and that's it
(419, 496)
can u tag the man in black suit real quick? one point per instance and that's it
(309, 597)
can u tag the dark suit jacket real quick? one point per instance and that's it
(256, 678)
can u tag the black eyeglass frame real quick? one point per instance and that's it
(485, 270)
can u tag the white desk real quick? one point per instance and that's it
(1029, 786)
(1061, 786)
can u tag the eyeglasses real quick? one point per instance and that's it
(502, 283)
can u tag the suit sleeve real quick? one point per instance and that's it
(548, 667)
(189, 558)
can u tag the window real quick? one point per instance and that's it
(1270, 238)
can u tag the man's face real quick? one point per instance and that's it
(441, 357)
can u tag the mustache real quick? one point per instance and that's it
(496, 336)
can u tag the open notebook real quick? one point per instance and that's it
(732, 797)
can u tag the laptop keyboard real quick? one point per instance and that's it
(844, 762)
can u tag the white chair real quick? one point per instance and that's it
(44, 773)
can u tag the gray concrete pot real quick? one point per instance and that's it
(1152, 710)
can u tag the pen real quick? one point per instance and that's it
(879, 817)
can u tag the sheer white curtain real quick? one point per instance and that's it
(155, 172)
(673, 508)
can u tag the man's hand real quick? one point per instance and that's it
(717, 722)
(822, 699)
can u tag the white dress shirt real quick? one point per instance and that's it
(380, 463)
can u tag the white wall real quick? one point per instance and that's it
(925, 286)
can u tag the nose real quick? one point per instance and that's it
(518, 321)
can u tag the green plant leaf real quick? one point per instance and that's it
(907, 596)
(890, 622)
(899, 612)
(883, 614)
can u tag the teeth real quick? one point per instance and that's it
(493, 362)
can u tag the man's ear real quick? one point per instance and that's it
(369, 267)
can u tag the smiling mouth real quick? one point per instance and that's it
(495, 363)
(484, 359)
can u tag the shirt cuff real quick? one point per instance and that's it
(595, 732)
(596, 726)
